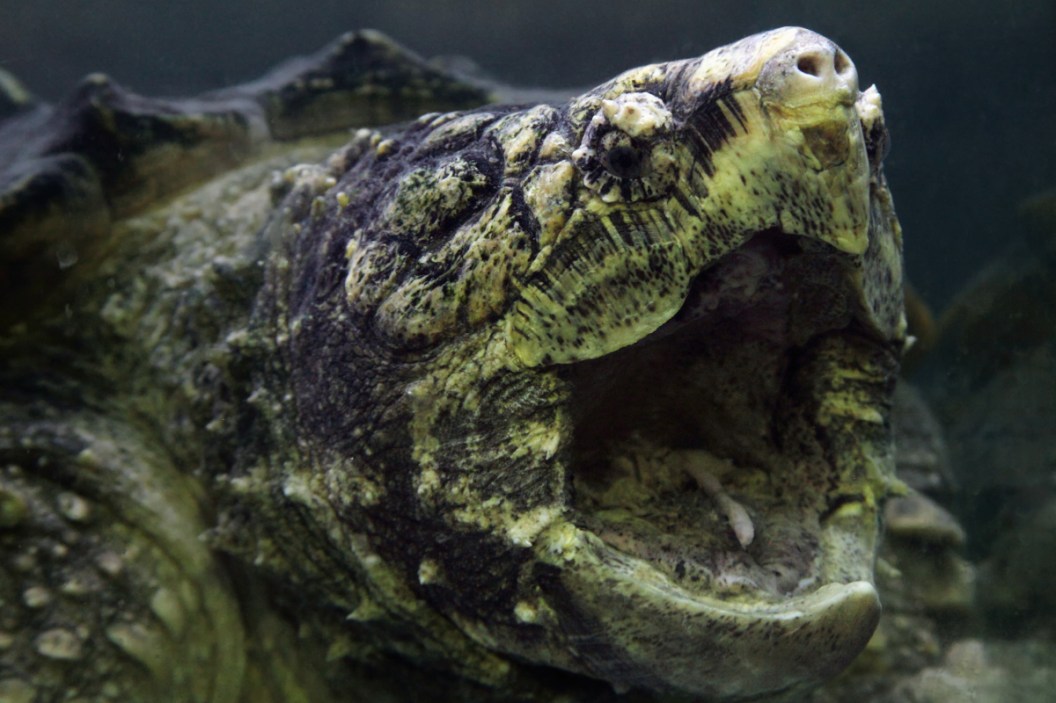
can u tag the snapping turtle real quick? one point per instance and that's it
(599, 387)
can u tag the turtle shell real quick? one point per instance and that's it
(68, 171)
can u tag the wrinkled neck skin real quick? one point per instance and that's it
(458, 323)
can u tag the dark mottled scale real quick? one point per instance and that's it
(709, 127)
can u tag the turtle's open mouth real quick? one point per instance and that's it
(725, 476)
(698, 448)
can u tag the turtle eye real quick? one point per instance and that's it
(624, 161)
(628, 152)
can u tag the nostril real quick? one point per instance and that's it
(809, 64)
(810, 70)
(841, 62)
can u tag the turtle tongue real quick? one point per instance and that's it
(710, 526)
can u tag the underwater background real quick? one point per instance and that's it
(969, 90)
(969, 87)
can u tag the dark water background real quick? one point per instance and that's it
(969, 86)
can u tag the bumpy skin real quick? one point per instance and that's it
(399, 391)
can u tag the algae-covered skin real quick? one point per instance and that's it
(600, 386)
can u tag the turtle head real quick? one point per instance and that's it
(675, 165)
(607, 384)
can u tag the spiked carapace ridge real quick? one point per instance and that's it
(599, 384)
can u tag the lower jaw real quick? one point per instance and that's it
(628, 621)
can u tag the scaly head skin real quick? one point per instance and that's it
(605, 385)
